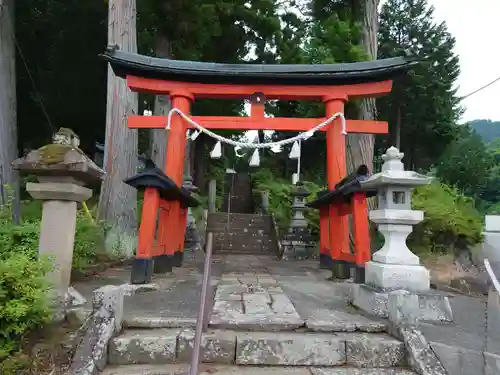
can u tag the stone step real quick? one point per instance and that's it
(239, 228)
(245, 251)
(235, 237)
(182, 369)
(236, 215)
(238, 220)
(243, 245)
(164, 346)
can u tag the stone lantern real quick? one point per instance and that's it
(62, 170)
(192, 237)
(298, 242)
(394, 266)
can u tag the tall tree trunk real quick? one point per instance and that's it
(118, 201)
(8, 108)
(397, 130)
(360, 147)
(158, 138)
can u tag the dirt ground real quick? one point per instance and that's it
(447, 274)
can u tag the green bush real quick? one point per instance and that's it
(89, 242)
(24, 303)
(450, 223)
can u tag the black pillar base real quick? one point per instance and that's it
(162, 263)
(325, 262)
(142, 271)
(178, 259)
(359, 274)
(341, 270)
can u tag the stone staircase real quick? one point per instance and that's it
(238, 233)
(255, 329)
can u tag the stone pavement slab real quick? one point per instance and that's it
(253, 301)
(143, 347)
(324, 305)
(248, 370)
(355, 371)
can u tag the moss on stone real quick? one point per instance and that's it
(53, 153)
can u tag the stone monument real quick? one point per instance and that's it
(62, 170)
(394, 267)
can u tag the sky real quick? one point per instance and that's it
(476, 28)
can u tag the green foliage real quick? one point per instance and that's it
(89, 242)
(466, 164)
(451, 221)
(24, 304)
(23, 288)
(24, 238)
(423, 104)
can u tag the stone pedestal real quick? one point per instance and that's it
(394, 266)
(298, 242)
(57, 232)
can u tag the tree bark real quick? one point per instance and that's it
(360, 147)
(158, 138)
(8, 109)
(118, 201)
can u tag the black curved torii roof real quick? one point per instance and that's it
(127, 63)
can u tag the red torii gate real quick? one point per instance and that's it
(184, 82)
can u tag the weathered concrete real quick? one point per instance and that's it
(493, 322)
(372, 350)
(409, 308)
(152, 322)
(492, 364)
(216, 347)
(253, 301)
(325, 320)
(371, 300)
(108, 303)
(144, 347)
(248, 370)
(459, 361)
(218, 370)
(468, 329)
(91, 354)
(293, 349)
(355, 371)
(420, 355)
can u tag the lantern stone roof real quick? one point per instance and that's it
(59, 160)
(393, 173)
(127, 63)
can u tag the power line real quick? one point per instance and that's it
(480, 89)
(42, 106)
